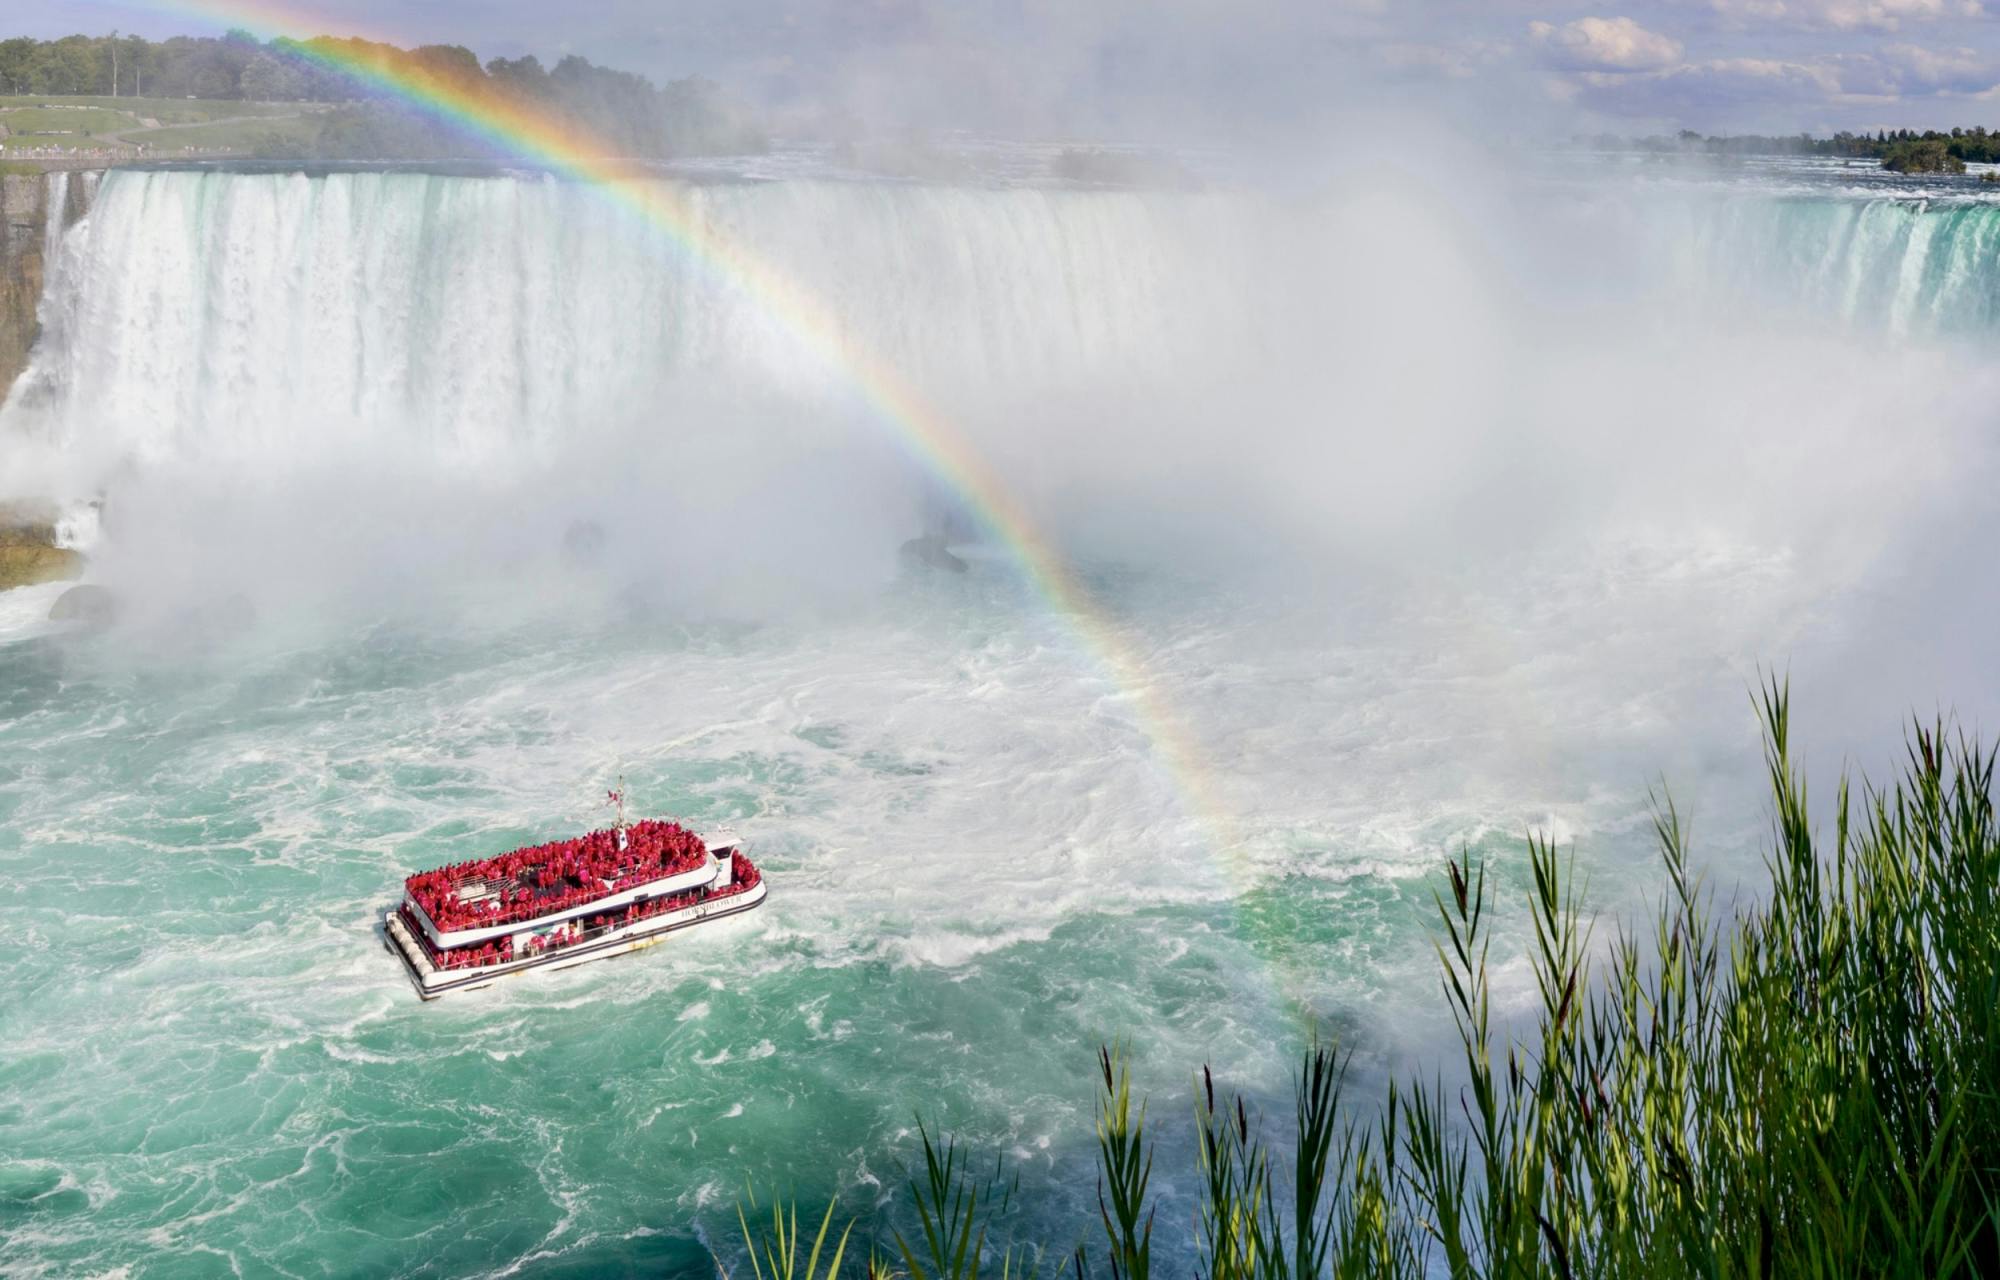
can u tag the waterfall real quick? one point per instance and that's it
(1895, 265)
(203, 314)
(1182, 351)
(55, 217)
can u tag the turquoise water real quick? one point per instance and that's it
(344, 423)
(211, 1064)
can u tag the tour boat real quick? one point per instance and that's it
(565, 903)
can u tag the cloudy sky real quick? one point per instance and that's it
(1522, 67)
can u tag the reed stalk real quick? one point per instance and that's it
(1806, 1086)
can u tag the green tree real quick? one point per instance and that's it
(1922, 155)
(20, 64)
(451, 63)
(525, 76)
(70, 66)
(267, 78)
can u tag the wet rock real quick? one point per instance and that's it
(89, 604)
(931, 552)
(28, 550)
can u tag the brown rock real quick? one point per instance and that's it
(28, 550)
(24, 564)
(27, 523)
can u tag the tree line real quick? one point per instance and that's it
(1975, 145)
(625, 113)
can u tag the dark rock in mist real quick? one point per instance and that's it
(931, 552)
(583, 542)
(89, 604)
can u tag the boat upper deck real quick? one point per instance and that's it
(472, 901)
(599, 930)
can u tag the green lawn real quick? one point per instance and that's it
(202, 125)
(238, 135)
(169, 111)
(70, 121)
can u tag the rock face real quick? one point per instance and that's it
(88, 604)
(24, 564)
(28, 550)
(29, 202)
(34, 208)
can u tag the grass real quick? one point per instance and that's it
(82, 122)
(75, 121)
(238, 135)
(168, 111)
(1807, 1087)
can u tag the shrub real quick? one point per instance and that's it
(1922, 156)
(1809, 1088)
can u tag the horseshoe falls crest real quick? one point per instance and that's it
(1426, 516)
(493, 318)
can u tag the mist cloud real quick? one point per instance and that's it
(1383, 387)
(1279, 71)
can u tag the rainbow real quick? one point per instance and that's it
(930, 437)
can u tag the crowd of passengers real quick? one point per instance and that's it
(538, 879)
(501, 951)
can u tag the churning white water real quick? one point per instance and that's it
(215, 314)
(1432, 515)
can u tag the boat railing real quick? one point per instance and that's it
(567, 937)
(583, 902)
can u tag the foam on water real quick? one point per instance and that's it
(980, 871)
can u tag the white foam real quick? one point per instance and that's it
(24, 611)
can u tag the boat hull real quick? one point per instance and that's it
(432, 982)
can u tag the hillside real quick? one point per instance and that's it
(55, 127)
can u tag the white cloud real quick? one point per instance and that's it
(1848, 15)
(1717, 88)
(1938, 70)
(1606, 44)
(1455, 62)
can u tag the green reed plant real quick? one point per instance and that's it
(956, 1210)
(1807, 1085)
(1125, 1161)
(774, 1254)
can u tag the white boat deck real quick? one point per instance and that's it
(595, 944)
(720, 841)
